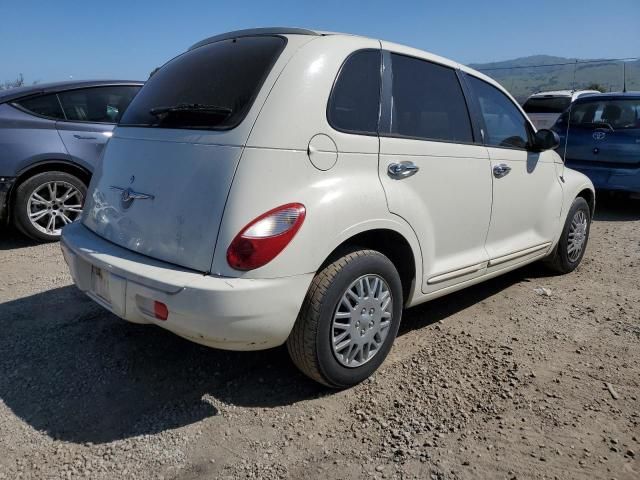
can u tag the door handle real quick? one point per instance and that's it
(501, 170)
(83, 137)
(402, 170)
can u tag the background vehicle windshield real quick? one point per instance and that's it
(546, 104)
(618, 114)
(211, 87)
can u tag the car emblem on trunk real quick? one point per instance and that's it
(599, 135)
(127, 196)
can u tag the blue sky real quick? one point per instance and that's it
(53, 40)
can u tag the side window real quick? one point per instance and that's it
(45, 105)
(354, 104)
(505, 125)
(97, 104)
(428, 102)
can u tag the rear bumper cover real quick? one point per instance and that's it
(6, 184)
(220, 312)
(610, 178)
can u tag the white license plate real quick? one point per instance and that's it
(100, 283)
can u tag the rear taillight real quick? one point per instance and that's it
(265, 237)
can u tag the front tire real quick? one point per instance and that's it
(349, 319)
(47, 202)
(574, 238)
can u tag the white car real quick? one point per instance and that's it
(281, 185)
(544, 108)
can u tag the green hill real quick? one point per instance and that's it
(523, 76)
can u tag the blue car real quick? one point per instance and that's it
(51, 136)
(602, 140)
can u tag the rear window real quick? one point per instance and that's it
(355, 101)
(211, 87)
(546, 104)
(615, 114)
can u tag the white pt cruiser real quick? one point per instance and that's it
(282, 185)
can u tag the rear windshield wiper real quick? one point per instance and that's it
(192, 107)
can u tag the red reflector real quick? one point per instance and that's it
(160, 310)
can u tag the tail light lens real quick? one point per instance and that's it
(160, 310)
(265, 237)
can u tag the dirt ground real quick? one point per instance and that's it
(497, 381)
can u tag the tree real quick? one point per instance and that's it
(18, 82)
(597, 86)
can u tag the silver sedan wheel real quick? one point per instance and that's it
(53, 205)
(577, 235)
(361, 321)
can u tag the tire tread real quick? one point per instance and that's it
(555, 262)
(302, 340)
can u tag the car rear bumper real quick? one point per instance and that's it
(6, 184)
(220, 312)
(608, 178)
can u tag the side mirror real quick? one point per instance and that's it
(545, 140)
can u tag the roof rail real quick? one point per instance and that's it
(252, 32)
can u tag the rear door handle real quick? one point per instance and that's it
(83, 137)
(501, 170)
(402, 170)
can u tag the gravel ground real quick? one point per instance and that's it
(502, 380)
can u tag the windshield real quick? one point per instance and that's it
(211, 87)
(546, 104)
(614, 114)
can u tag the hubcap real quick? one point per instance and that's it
(577, 235)
(361, 321)
(53, 205)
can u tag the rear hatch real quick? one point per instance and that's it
(161, 186)
(603, 132)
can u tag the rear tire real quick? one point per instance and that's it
(573, 240)
(46, 202)
(349, 319)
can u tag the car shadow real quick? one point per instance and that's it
(444, 307)
(12, 239)
(616, 208)
(78, 373)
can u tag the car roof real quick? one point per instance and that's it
(561, 93)
(252, 32)
(407, 50)
(41, 88)
(610, 96)
(553, 93)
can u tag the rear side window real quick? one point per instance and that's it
(428, 102)
(44, 105)
(546, 104)
(97, 104)
(505, 124)
(211, 87)
(355, 100)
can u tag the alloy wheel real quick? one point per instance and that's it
(53, 205)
